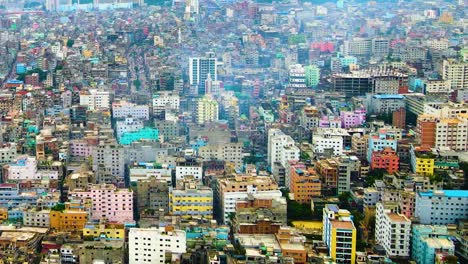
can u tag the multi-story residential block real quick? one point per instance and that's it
(429, 240)
(72, 218)
(152, 194)
(23, 168)
(297, 76)
(110, 156)
(146, 134)
(304, 183)
(353, 118)
(312, 75)
(426, 129)
(130, 124)
(339, 234)
(191, 200)
(437, 86)
(456, 73)
(359, 146)
(124, 109)
(207, 110)
(189, 166)
(95, 99)
(109, 231)
(228, 190)
(422, 160)
(164, 101)
(281, 148)
(36, 218)
(151, 245)
(336, 173)
(392, 230)
(441, 207)
(109, 202)
(379, 141)
(230, 152)
(327, 142)
(260, 216)
(384, 103)
(452, 133)
(386, 159)
(309, 117)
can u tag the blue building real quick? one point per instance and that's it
(379, 141)
(427, 241)
(20, 68)
(441, 207)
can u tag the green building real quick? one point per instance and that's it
(312, 75)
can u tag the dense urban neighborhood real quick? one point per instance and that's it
(234, 132)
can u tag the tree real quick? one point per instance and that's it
(368, 223)
(70, 43)
(137, 84)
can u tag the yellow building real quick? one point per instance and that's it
(3, 215)
(108, 231)
(68, 217)
(339, 234)
(191, 200)
(422, 160)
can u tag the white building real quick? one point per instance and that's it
(165, 101)
(128, 125)
(452, 133)
(36, 218)
(327, 141)
(297, 76)
(195, 170)
(437, 86)
(150, 245)
(200, 67)
(281, 148)
(230, 190)
(456, 72)
(95, 99)
(392, 230)
(125, 109)
(441, 207)
(23, 168)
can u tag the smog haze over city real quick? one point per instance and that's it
(233, 131)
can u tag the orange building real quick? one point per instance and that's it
(327, 168)
(3, 215)
(72, 218)
(304, 183)
(385, 159)
(426, 127)
(292, 245)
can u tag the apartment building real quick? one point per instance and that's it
(191, 200)
(281, 148)
(109, 202)
(154, 245)
(304, 184)
(95, 99)
(392, 230)
(230, 189)
(123, 109)
(339, 234)
(441, 207)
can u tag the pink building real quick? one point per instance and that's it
(407, 201)
(353, 118)
(330, 121)
(116, 205)
(80, 148)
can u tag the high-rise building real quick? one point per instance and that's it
(297, 76)
(152, 245)
(392, 230)
(312, 75)
(281, 148)
(339, 234)
(201, 67)
(207, 110)
(456, 72)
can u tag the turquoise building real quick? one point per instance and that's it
(146, 133)
(312, 75)
(429, 240)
